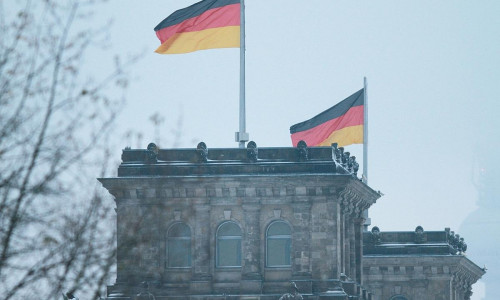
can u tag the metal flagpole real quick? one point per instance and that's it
(365, 132)
(365, 147)
(242, 136)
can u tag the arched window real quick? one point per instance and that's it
(398, 297)
(179, 246)
(278, 244)
(228, 245)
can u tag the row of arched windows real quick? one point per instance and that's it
(228, 245)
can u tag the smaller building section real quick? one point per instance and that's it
(410, 265)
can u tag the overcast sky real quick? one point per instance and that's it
(433, 70)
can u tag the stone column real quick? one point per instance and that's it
(450, 289)
(347, 243)
(342, 239)
(358, 226)
(251, 274)
(201, 258)
(352, 247)
(337, 231)
(301, 236)
(123, 241)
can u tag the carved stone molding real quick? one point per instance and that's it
(462, 281)
(351, 203)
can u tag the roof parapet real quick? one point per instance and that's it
(202, 160)
(413, 242)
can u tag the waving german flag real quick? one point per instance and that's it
(204, 25)
(342, 124)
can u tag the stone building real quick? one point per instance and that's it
(418, 265)
(244, 223)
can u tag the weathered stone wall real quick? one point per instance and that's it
(311, 205)
(419, 277)
(314, 191)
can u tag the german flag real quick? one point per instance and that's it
(204, 25)
(342, 124)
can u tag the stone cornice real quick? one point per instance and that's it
(356, 197)
(459, 267)
(297, 188)
(471, 271)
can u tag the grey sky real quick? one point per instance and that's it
(433, 70)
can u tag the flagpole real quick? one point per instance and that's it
(365, 132)
(365, 147)
(242, 136)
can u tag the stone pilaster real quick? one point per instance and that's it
(337, 231)
(352, 248)
(251, 273)
(129, 239)
(325, 252)
(352, 207)
(359, 227)
(201, 258)
(344, 234)
(347, 244)
(121, 252)
(342, 242)
(302, 240)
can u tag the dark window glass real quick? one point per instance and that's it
(179, 246)
(278, 245)
(179, 230)
(229, 245)
(229, 229)
(279, 228)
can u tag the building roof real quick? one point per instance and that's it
(202, 161)
(418, 242)
(425, 249)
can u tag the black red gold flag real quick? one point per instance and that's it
(342, 124)
(204, 25)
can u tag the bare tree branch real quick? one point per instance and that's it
(54, 126)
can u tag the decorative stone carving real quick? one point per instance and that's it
(177, 215)
(345, 159)
(420, 236)
(451, 239)
(151, 154)
(294, 295)
(202, 152)
(252, 151)
(468, 293)
(351, 204)
(336, 156)
(145, 294)
(349, 162)
(355, 166)
(457, 242)
(227, 214)
(344, 200)
(461, 281)
(375, 237)
(69, 296)
(341, 156)
(462, 246)
(303, 153)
